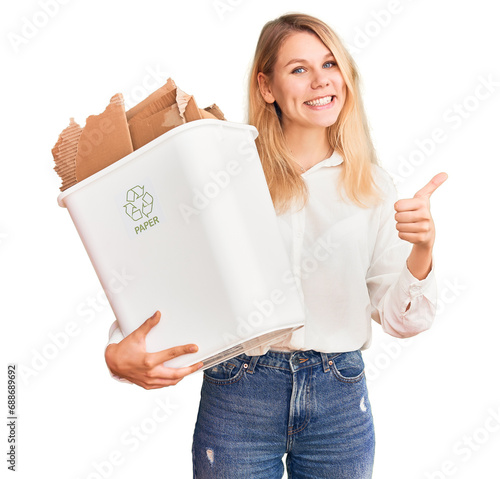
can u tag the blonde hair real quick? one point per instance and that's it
(350, 135)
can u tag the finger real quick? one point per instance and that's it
(413, 238)
(167, 354)
(161, 374)
(170, 381)
(432, 186)
(158, 383)
(410, 204)
(146, 327)
(180, 373)
(419, 227)
(410, 216)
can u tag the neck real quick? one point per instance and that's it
(308, 146)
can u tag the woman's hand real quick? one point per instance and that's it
(415, 225)
(129, 359)
(413, 216)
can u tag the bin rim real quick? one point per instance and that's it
(160, 139)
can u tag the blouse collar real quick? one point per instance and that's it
(334, 160)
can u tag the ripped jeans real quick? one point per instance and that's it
(312, 407)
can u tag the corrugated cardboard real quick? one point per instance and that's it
(192, 112)
(156, 95)
(160, 113)
(112, 135)
(215, 111)
(206, 115)
(156, 105)
(64, 153)
(154, 118)
(104, 139)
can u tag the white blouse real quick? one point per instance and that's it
(350, 267)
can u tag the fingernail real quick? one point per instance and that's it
(193, 349)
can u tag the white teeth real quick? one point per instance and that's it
(321, 101)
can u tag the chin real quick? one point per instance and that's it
(327, 122)
(324, 120)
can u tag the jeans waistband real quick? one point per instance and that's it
(290, 361)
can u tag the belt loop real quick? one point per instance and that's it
(324, 360)
(253, 363)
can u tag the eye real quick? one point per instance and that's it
(330, 64)
(298, 70)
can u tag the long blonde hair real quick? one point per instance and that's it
(350, 135)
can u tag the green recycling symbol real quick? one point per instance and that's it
(139, 203)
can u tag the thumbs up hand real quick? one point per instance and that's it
(413, 216)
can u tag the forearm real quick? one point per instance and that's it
(420, 261)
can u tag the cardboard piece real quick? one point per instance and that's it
(112, 135)
(156, 95)
(215, 111)
(158, 114)
(104, 139)
(206, 115)
(192, 112)
(154, 118)
(64, 153)
(188, 108)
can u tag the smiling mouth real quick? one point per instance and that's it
(320, 101)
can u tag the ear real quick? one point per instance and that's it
(265, 88)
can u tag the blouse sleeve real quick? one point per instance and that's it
(115, 333)
(115, 336)
(390, 284)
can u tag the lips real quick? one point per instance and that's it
(320, 101)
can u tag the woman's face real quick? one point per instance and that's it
(306, 84)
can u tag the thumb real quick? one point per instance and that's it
(432, 186)
(146, 327)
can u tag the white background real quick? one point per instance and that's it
(435, 399)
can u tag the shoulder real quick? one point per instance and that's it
(384, 182)
(387, 192)
(382, 178)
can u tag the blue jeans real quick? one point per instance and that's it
(312, 407)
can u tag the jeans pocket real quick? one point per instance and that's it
(348, 367)
(226, 372)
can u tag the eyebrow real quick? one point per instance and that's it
(302, 60)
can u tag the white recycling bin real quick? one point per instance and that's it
(186, 225)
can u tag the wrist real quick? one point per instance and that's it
(424, 248)
(419, 263)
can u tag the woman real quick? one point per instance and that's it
(306, 396)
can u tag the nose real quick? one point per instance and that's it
(320, 79)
